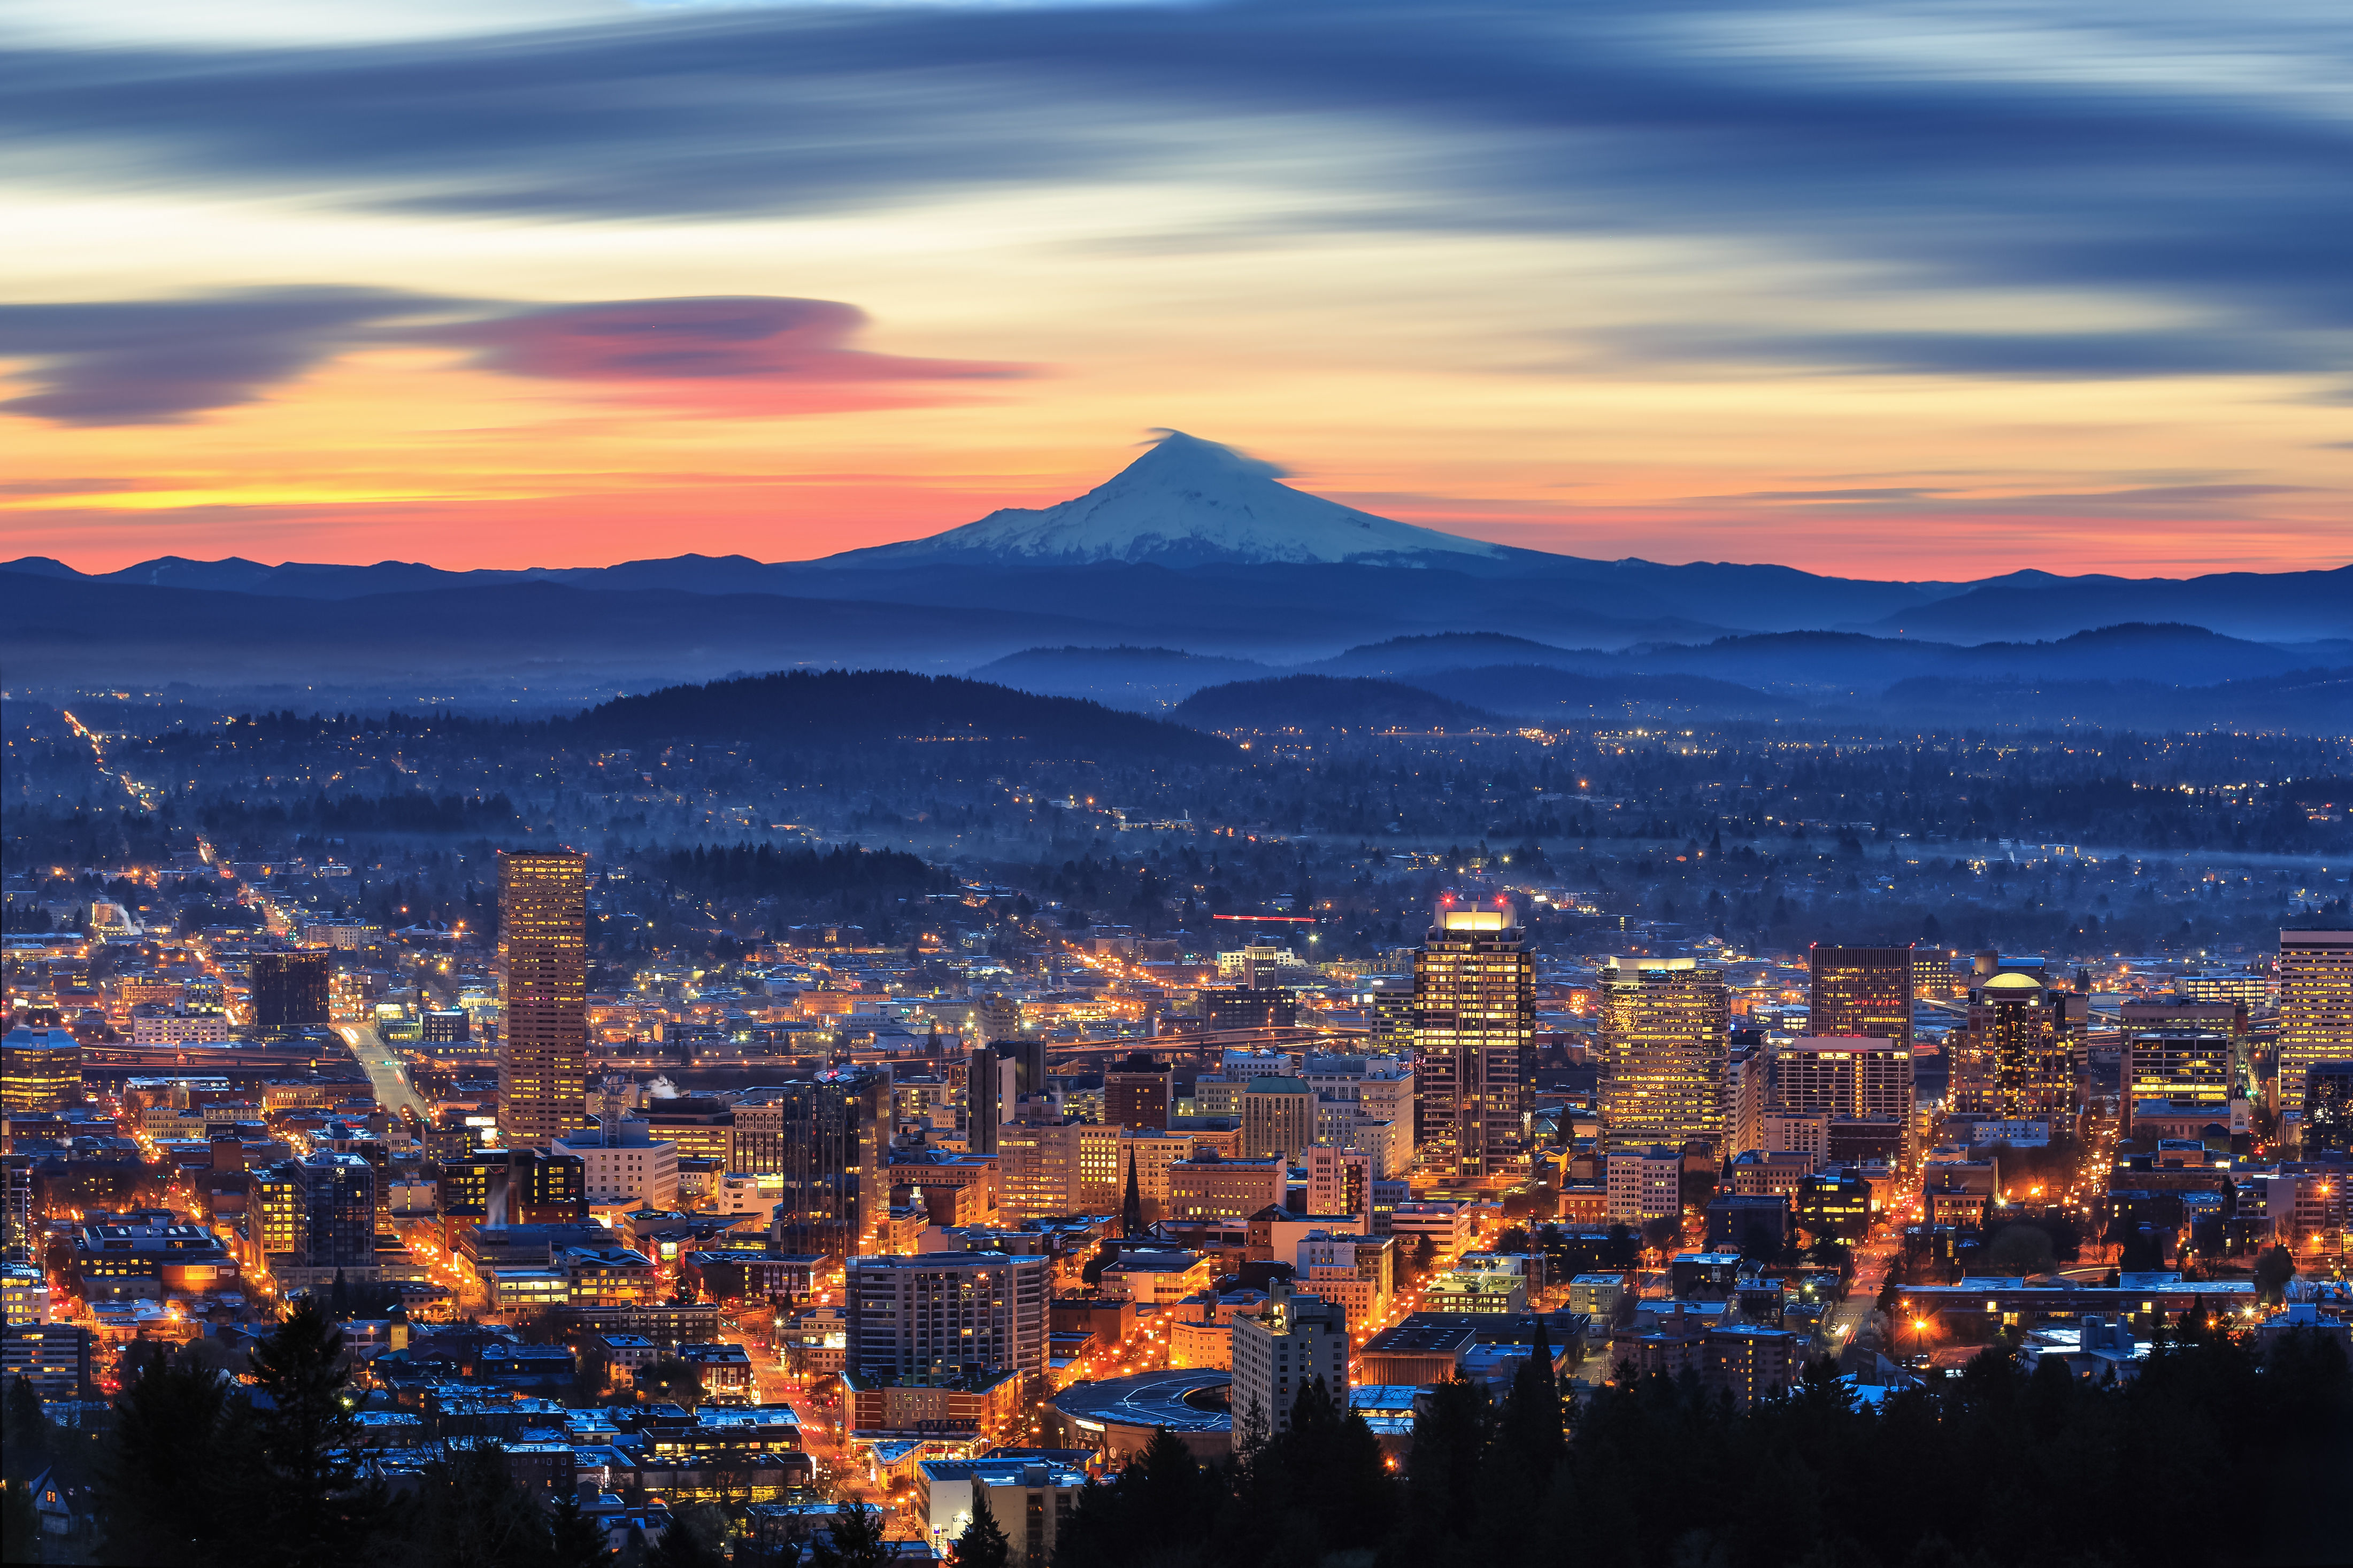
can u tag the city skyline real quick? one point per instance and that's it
(1898, 294)
(1176, 784)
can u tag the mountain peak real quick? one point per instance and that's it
(1184, 502)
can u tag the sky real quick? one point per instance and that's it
(1912, 291)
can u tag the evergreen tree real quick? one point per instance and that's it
(1449, 1448)
(170, 1424)
(310, 1510)
(983, 1544)
(1131, 1208)
(20, 1526)
(856, 1541)
(1529, 1429)
(574, 1540)
(467, 1514)
(679, 1549)
(26, 1436)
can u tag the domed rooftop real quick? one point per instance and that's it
(2012, 982)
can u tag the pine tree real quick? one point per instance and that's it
(173, 1423)
(25, 1442)
(856, 1541)
(1530, 1429)
(983, 1544)
(311, 1511)
(574, 1540)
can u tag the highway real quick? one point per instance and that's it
(386, 1073)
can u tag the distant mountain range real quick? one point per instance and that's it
(1192, 567)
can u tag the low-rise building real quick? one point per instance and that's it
(1030, 1499)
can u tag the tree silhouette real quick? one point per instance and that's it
(855, 1541)
(314, 1512)
(983, 1544)
(172, 1423)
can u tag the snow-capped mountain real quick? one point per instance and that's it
(1184, 502)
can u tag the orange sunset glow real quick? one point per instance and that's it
(477, 325)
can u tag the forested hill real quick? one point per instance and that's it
(1328, 702)
(866, 706)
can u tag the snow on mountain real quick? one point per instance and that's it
(1184, 502)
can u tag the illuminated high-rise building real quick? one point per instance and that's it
(1862, 991)
(2329, 1109)
(1844, 1078)
(2315, 1008)
(834, 1141)
(1474, 1025)
(1665, 1034)
(998, 1077)
(1278, 1118)
(2184, 1052)
(2021, 1025)
(40, 1069)
(1933, 977)
(543, 950)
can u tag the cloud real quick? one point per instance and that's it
(152, 361)
(2160, 151)
(2210, 349)
(743, 353)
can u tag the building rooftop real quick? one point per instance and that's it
(1186, 1400)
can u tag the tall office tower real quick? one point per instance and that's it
(544, 947)
(1862, 991)
(1665, 1034)
(2024, 1043)
(760, 1131)
(338, 1198)
(2184, 1052)
(940, 1316)
(1474, 1014)
(1278, 1118)
(1038, 1169)
(1340, 1181)
(1933, 979)
(2329, 1109)
(1389, 999)
(16, 1208)
(1848, 1079)
(1294, 1338)
(834, 1141)
(289, 992)
(1748, 1091)
(997, 1079)
(2315, 1003)
(40, 1069)
(1139, 1092)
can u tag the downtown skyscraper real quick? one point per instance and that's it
(1666, 1030)
(543, 953)
(1475, 1024)
(2315, 1008)
(1860, 991)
